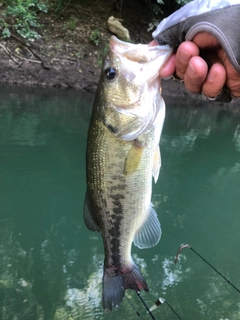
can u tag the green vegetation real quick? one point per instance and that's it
(95, 37)
(20, 16)
(72, 22)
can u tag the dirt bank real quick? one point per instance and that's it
(68, 55)
(71, 47)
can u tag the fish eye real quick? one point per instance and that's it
(110, 73)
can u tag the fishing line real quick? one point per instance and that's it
(134, 309)
(161, 301)
(210, 265)
(173, 310)
(145, 305)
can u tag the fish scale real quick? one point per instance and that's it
(122, 156)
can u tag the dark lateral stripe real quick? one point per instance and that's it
(118, 187)
(116, 217)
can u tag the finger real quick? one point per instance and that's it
(195, 74)
(234, 86)
(168, 69)
(206, 40)
(185, 52)
(233, 76)
(215, 81)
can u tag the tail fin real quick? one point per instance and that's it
(114, 286)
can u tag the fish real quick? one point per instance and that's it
(121, 158)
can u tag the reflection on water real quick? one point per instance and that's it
(51, 265)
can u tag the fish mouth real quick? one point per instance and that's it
(141, 53)
(131, 51)
(141, 63)
(119, 46)
(139, 66)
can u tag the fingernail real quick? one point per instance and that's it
(184, 56)
(212, 76)
(191, 70)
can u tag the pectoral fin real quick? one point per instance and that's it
(156, 164)
(88, 219)
(150, 232)
(134, 157)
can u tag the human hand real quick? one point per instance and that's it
(189, 64)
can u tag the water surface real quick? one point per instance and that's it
(51, 265)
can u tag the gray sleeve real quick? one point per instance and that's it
(221, 18)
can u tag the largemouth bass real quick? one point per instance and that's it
(122, 156)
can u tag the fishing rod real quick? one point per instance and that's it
(145, 305)
(161, 301)
(208, 263)
(173, 310)
(134, 309)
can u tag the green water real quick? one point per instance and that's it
(51, 265)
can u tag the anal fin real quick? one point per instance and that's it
(150, 232)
